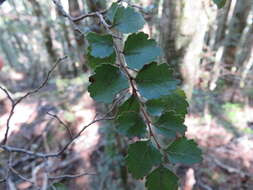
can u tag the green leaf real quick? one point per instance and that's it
(176, 102)
(131, 125)
(139, 50)
(184, 151)
(101, 45)
(154, 81)
(126, 20)
(94, 61)
(106, 83)
(112, 12)
(169, 124)
(129, 121)
(162, 179)
(131, 105)
(142, 156)
(220, 3)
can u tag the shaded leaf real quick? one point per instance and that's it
(169, 124)
(139, 50)
(131, 124)
(101, 46)
(176, 102)
(142, 156)
(162, 179)
(129, 121)
(184, 151)
(154, 81)
(106, 83)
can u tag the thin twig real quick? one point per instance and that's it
(61, 122)
(69, 176)
(15, 103)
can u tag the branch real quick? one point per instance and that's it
(69, 176)
(15, 103)
(61, 122)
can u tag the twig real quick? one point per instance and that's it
(20, 176)
(43, 155)
(15, 103)
(61, 122)
(69, 176)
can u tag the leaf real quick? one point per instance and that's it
(154, 81)
(131, 105)
(220, 3)
(125, 20)
(94, 61)
(101, 46)
(112, 12)
(142, 156)
(139, 50)
(106, 83)
(176, 101)
(162, 179)
(169, 124)
(129, 122)
(184, 151)
(131, 125)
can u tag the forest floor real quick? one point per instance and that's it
(227, 141)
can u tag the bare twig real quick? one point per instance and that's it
(15, 103)
(20, 176)
(70, 176)
(61, 122)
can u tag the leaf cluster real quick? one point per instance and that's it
(153, 106)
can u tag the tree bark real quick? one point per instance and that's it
(236, 27)
(74, 10)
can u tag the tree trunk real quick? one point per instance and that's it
(236, 27)
(169, 28)
(74, 10)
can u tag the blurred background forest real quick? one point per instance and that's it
(211, 49)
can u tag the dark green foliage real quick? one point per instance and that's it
(125, 20)
(155, 80)
(101, 46)
(142, 156)
(156, 105)
(184, 151)
(176, 101)
(141, 53)
(129, 121)
(162, 179)
(106, 83)
(170, 124)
